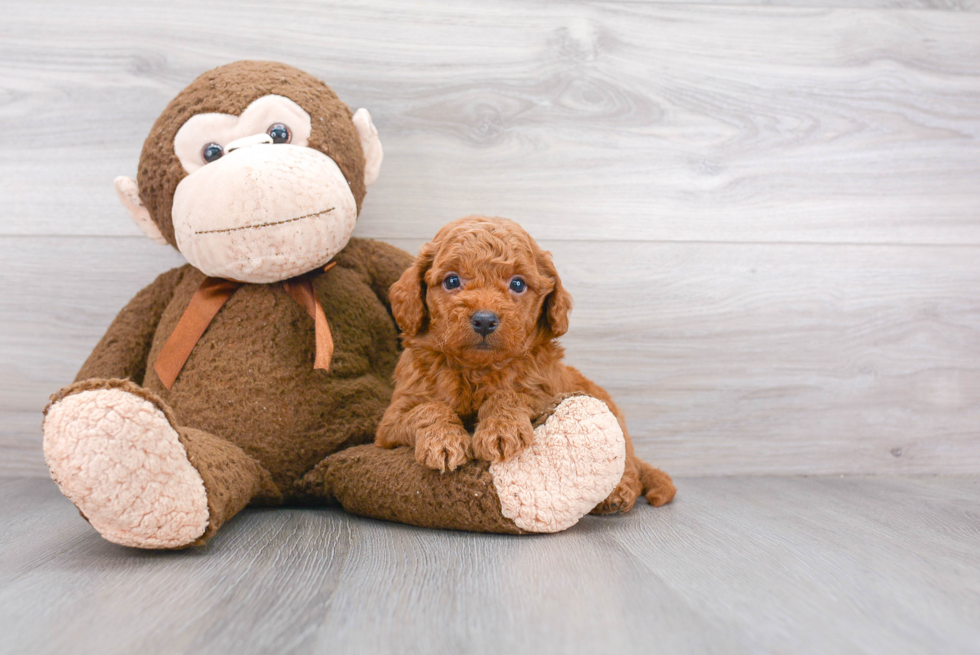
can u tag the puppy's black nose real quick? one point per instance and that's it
(484, 322)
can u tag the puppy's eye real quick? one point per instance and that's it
(211, 152)
(518, 285)
(451, 282)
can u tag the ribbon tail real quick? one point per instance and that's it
(324, 339)
(301, 290)
(204, 305)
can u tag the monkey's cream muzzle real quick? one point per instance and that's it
(263, 213)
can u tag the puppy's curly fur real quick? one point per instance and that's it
(467, 386)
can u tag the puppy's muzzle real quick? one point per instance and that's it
(484, 322)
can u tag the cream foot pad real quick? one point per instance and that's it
(576, 460)
(119, 460)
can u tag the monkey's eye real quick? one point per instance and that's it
(517, 284)
(279, 133)
(451, 282)
(211, 152)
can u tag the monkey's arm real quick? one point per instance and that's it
(123, 350)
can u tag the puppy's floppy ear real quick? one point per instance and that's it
(554, 312)
(407, 295)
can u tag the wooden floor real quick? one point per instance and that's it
(736, 565)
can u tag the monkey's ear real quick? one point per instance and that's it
(370, 144)
(128, 193)
(407, 295)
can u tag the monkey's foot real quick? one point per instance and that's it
(575, 461)
(116, 456)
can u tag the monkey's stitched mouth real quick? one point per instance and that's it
(252, 227)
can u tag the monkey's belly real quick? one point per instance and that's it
(251, 381)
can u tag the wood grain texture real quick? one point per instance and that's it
(931, 5)
(769, 215)
(593, 120)
(735, 565)
(726, 358)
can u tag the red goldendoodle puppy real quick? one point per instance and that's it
(481, 310)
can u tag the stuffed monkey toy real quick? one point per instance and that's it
(258, 372)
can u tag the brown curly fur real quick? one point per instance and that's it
(459, 395)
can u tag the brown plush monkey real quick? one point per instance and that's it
(253, 373)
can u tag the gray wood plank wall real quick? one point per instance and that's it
(769, 215)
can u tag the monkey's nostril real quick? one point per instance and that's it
(484, 322)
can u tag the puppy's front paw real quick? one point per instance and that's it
(443, 447)
(500, 440)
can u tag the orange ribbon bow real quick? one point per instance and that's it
(208, 300)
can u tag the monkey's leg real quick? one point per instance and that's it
(115, 450)
(575, 461)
